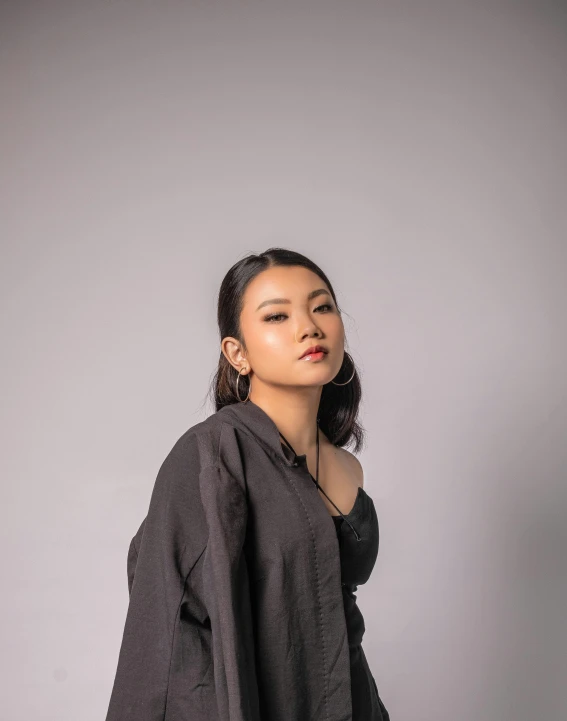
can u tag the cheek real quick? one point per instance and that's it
(275, 341)
(333, 328)
(271, 349)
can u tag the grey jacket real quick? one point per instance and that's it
(236, 609)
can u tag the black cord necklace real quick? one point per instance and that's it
(316, 480)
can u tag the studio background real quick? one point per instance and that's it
(417, 152)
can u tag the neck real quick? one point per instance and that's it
(295, 416)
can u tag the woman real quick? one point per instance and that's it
(242, 576)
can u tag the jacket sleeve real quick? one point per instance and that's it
(156, 568)
(227, 595)
(132, 558)
(198, 511)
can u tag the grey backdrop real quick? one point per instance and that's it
(417, 152)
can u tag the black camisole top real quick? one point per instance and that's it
(357, 535)
(357, 561)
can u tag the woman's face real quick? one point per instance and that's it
(280, 320)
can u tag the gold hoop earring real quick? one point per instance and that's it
(237, 393)
(353, 372)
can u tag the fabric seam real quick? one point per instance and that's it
(321, 631)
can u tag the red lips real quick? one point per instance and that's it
(314, 349)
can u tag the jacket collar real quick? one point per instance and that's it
(250, 417)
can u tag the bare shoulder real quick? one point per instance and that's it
(353, 464)
(347, 461)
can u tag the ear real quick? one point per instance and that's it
(232, 351)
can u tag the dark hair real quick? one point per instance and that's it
(338, 408)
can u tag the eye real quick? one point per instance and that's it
(272, 318)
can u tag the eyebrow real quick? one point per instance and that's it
(310, 296)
